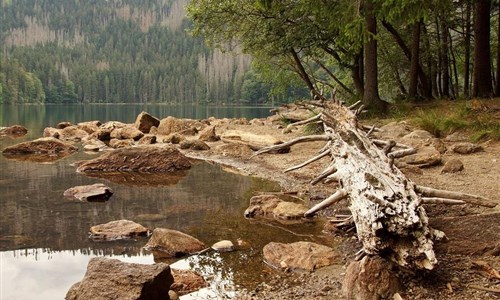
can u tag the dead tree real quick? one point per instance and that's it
(386, 206)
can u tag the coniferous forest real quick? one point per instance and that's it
(126, 51)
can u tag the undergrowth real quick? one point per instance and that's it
(442, 118)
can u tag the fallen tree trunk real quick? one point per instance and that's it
(387, 211)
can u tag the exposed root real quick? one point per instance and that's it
(426, 200)
(336, 197)
(325, 153)
(302, 139)
(472, 199)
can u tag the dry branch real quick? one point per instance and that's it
(336, 197)
(302, 139)
(472, 199)
(426, 200)
(327, 152)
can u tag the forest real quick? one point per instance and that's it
(376, 50)
(115, 52)
(126, 51)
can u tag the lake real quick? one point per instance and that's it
(44, 243)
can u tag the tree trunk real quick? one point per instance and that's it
(481, 85)
(302, 72)
(468, 11)
(415, 57)
(497, 86)
(371, 98)
(358, 74)
(445, 61)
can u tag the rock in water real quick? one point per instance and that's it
(300, 255)
(117, 230)
(289, 210)
(168, 243)
(13, 131)
(112, 279)
(94, 192)
(223, 246)
(149, 159)
(262, 205)
(45, 146)
(145, 121)
(187, 281)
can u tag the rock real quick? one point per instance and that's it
(408, 169)
(425, 157)
(62, 125)
(51, 132)
(236, 150)
(187, 281)
(112, 279)
(147, 139)
(393, 131)
(262, 205)
(300, 255)
(223, 246)
(192, 131)
(150, 159)
(419, 134)
(118, 144)
(45, 146)
(90, 126)
(194, 145)
(117, 230)
(254, 141)
(295, 115)
(94, 192)
(94, 145)
(167, 243)
(456, 137)
(466, 148)
(370, 279)
(256, 122)
(13, 131)
(438, 145)
(72, 133)
(208, 135)
(173, 138)
(172, 125)
(240, 121)
(173, 295)
(289, 210)
(145, 121)
(127, 133)
(112, 125)
(453, 166)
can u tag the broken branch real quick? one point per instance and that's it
(302, 139)
(472, 199)
(336, 197)
(446, 201)
(308, 161)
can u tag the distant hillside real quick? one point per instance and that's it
(112, 51)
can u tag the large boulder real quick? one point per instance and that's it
(73, 133)
(13, 131)
(370, 279)
(51, 132)
(299, 256)
(112, 279)
(173, 125)
(94, 192)
(168, 243)
(118, 143)
(235, 150)
(194, 145)
(393, 131)
(45, 146)
(145, 121)
(118, 230)
(149, 159)
(187, 281)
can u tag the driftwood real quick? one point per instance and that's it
(387, 208)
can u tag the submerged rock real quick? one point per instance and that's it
(112, 279)
(44, 146)
(187, 281)
(168, 243)
(300, 255)
(94, 192)
(262, 205)
(117, 230)
(150, 159)
(13, 131)
(145, 121)
(289, 210)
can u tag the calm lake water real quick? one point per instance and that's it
(44, 244)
